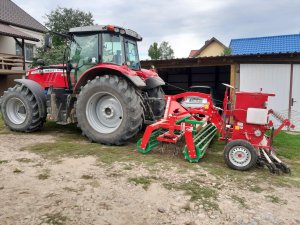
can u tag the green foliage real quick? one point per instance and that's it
(227, 51)
(52, 56)
(62, 19)
(164, 51)
(154, 52)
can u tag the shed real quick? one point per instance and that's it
(272, 72)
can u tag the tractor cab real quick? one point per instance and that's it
(92, 45)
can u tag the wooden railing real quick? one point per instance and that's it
(11, 64)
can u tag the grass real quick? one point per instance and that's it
(24, 160)
(256, 188)
(3, 161)
(55, 219)
(205, 196)
(275, 199)
(288, 145)
(144, 181)
(240, 200)
(44, 175)
(17, 170)
(86, 177)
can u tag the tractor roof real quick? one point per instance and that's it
(106, 28)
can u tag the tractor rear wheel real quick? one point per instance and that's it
(240, 155)
(109, 110)
(20, 110)
(158, 107)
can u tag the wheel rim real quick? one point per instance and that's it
(104, 112)
(240, 156)
(16, 110)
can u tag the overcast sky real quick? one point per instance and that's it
(185, 24)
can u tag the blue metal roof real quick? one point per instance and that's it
(271, 44)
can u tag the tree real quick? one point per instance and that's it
(55, 55)
(227, 51)
(154, 52)
(166, 51)
(62, 19)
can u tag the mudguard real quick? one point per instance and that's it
(38, 92)
(153, 82)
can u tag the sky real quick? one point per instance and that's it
(185, 24)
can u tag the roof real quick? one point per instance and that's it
(12, 14)
(106, 28)
(195, 53)
(271, 44)
(268, 58)
(13, 32)
(192, 53)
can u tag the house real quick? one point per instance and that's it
(20, 35)
(212, 47)
(274, 70)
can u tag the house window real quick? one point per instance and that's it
(29, 51)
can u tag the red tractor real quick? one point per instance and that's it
(100, 85)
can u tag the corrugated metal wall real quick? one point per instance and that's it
(272, 78)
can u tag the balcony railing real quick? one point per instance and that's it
(11, 64)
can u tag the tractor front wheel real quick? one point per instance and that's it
(20, 110)
(109, 110)
(240, 155)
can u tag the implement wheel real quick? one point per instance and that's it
(109, 110)
(240, 155)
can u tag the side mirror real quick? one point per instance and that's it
(47, 41)
(40, 62)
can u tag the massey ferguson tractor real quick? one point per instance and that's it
(100, 85)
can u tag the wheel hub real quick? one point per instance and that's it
(16, 110)
(240, 156)
(108, 112)
(104, 112)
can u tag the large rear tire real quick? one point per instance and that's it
(158, 107)
(20, 110)
(109, 110)
(240, 155)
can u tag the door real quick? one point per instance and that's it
(272, 78)
(295, 110)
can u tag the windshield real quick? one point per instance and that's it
(132, 56)
(113, 49)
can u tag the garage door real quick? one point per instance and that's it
(272, 78)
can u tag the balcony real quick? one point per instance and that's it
(11, 64)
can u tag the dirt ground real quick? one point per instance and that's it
(83, 190)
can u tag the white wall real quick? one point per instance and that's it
(272, 78)
(296, 96)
